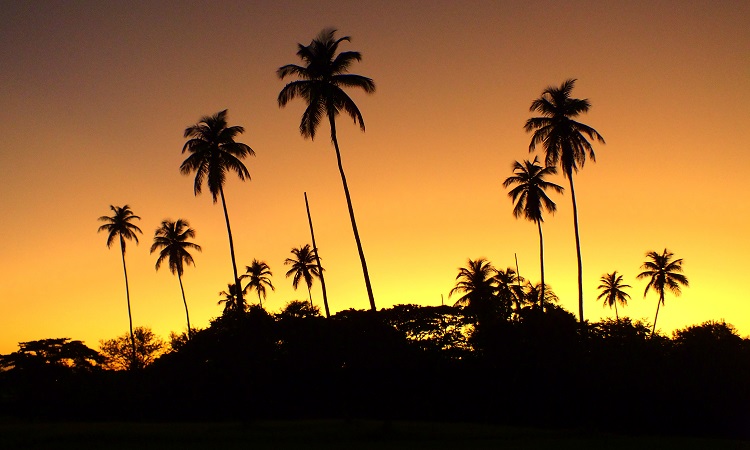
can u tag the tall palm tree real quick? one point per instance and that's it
(119, 226)
(530, 199)
(564, 143)
(213, 153)
(477, 282)
(304, 266)
(612, 291)
(321, 81)
(259, 274)
(172, 239)
(663, 273)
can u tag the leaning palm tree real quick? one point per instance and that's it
(172, 239)
(119, 226)
(321, 81)
(304, 266)
(213, 153)
(530, 199)
(564, 143)
(663, 273)
(612, 291)
(259, 274)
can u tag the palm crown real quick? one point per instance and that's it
(259, 274)
(612, 292)
(304, 266)
(322, 80)
(562, 137)
(214, 152)
(119, 225)
(172, 239)
(529, 193)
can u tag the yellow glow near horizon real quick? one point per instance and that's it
(95, 99)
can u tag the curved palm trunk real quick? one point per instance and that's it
(187, 315)
(661, 300)
(578, 248)
(541, 261)
(309, 295)
(317, 260)
(127, 295)
(617, 316)
(240, 301)
(259, 300)
(351, 213)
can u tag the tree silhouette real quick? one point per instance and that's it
(663, 273)
(119, 226)
(508, 288)
(530, 199)
(304, 266)
(231, 299)
(321, 84)
(612, 291)
(477, 282)
(564, 143)
(172, 239)
(149, 346)
(213, 153)
(259, 274)
(538, 293)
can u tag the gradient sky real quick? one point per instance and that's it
(95, 96)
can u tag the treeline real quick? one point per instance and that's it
(534, 368)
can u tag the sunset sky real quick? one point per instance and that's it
(95, 96)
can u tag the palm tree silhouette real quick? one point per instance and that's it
(508, 288)
(259, 274)
(231, 299)
(172, 239)
(538, 293)
(477, 282)
(304, 265)
(213, 153)
(321, 84)
(119, 226)
(530, 199)
(664, 273)
(564, 143)
(612, 291)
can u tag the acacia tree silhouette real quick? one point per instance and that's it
(530, 199)
(119, 226)
(612, 291)
(259, 274)
(304, 266)
(213, 153)
(321, 84)
(172, 238)
(664, 273)
(564, 143)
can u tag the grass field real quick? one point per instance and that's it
(329, 435)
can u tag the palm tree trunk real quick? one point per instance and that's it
(260, 302)
(578, 247)
(317, 259)
(351, 213)
(240, 300)
(187, 315)
(617, 316)
(541, 261)
(661, 300)
(127, 295)
(309, 295)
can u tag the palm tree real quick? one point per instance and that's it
(119, 226)
(259, 274)
(477, 282)
(231, 299)
(320, 84)
(530, 198)
(507, 285)
(612, 291)
(564, 143)
(213, 153)
(304, 265)
(664, 273)
(532, 293)
(172, 239)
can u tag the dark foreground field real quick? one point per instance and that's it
(329, 435)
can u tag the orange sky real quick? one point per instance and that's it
(95, 98)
